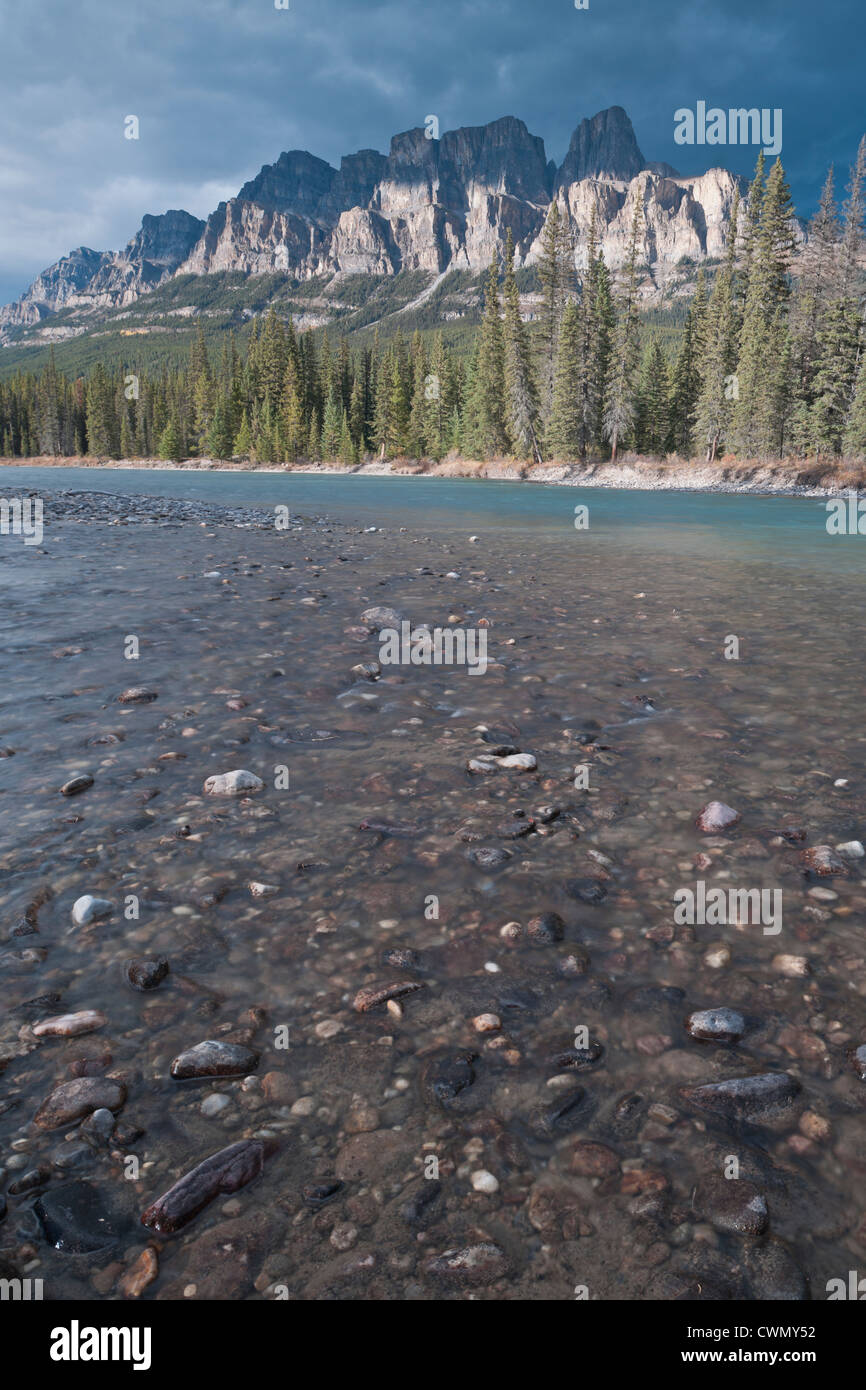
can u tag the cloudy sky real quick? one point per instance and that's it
(222, 86)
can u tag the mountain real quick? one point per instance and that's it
(108, 279)
(429, 205)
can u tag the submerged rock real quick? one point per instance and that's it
(89, 909)
(445, 1077)
(546, 929)
(745, 1097)
(318, 1194)
(382, 617)
(373, 995)
(213, 1058)
(137, 695)
(716, 817)
(732, 1204)
(146, 972)
(578, 1058)
(716, 1025)
(824, 861)
(224, 1172)
(70, 1025)
(475, 1264)
(72, 1100)
(74, 1219)
(858, 1061)
(233, 783)
(76, 785)
(488, 859)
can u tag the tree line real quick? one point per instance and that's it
(769, 363)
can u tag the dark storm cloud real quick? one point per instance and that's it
(222, 86)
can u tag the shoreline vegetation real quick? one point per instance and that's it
(769, 367)
(802, 478)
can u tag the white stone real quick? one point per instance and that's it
(519, 762)
(214, 1105)
(852, 849)
(483, 1181)
(793, 966)
(89, 909)
(263, 890)
(233, 783)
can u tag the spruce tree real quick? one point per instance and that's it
(715, 375)
(565, 431)
(620, 396)
(521, 393)
(759, 415)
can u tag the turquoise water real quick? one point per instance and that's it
(749, 528)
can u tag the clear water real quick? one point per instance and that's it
(609, 647)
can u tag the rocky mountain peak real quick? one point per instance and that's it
(603, 146)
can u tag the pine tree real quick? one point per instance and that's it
(653, 413)
(565, 430)
(171, 443)
(242, 446)
(716, 378)
(489, 383)
(758, 423)
(556, 273)
(417, 429)
(521, 393)
(621, 404)
(854, 440)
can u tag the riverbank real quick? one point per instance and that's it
(784, 478)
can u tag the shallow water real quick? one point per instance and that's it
(608, 651)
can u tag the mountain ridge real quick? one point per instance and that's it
(430, 204)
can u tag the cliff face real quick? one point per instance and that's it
(88, 279)
(427, 204)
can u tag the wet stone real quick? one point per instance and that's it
(419, 1205)
(488, 860)
(578, 1058)
(823, 861)
(214, 1058)
(716, 817)
(716, 1025)
(76, 1220)
(372, 996)
(586, 890)
(76, 785)
(72, 1100)
(138, 695)
(446, 1077)
(858, 1061)
(223, 1173)
(145, 972)
(558, 1116)
(474, 1264)
(233, 783)
(318, 1194)
(89, 909)
(745, 1097)
(70, 1025)
(546, 929)
(732, 1204)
